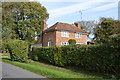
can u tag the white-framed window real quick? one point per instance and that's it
(65, 34)
(64, 43)
(78, 35)
(79, 43)
(49, 43)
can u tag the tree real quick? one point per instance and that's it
(107, 28)
(23, 20)
(89, 27)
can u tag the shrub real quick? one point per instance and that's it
(4, 46)
(72, 41)
(51, 55)
(18, 50)
(102, 58)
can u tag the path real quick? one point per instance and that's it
(10, 71)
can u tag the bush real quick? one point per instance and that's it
(18, 50)
(72, 41)
(4, 46)
(102, 58)
(48, 54)
(73, 54)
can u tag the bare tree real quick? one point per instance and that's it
(89, 27)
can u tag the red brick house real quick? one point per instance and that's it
(60, 33)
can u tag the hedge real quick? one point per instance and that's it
(4, 46)
(101, 58)
(18, 50)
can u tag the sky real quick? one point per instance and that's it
(70, 11)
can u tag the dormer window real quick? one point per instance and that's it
(78, 35)
(65, 34)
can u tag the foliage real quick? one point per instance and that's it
(107, 27)
(50, 55)
(72, 41)
(102, 58)
(22, 19)
(4, 46)
(18, 50)
(89, 27)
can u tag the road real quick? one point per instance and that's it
(10, 71)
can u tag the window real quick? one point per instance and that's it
(49, 43)
(78, 35)
(65, 34)
(79, 43)
(64, 43)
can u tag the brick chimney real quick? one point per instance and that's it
(44, 25)
(77, 24)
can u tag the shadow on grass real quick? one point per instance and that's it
(77, 69)
(6, 59)
(83, 70)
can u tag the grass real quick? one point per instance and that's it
(6, 54)
(50, 71)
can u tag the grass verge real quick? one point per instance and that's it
(50, 71)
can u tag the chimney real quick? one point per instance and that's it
(44, 25)
(77, 24)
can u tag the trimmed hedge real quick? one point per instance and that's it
(4, 46)
(101, 58)
(48, 54)
(18, 50)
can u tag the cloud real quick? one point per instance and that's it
(78, 7)
(105, 7)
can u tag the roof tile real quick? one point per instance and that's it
(65, 27)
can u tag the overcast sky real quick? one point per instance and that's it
(68, 11)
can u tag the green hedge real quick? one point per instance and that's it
(101, 58)
(18, 50)
(48, 54)
(4, 46)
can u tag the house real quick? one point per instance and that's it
(60, 33)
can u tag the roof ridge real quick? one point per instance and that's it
(65, 26)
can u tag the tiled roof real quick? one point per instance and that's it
(65, 27)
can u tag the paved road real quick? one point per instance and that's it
(10, 71)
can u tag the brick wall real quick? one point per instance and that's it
(60, 39)
(49, 37)
(55, 38)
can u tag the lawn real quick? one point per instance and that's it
(51, 71)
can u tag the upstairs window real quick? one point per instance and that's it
(78, 35)
(65, 34)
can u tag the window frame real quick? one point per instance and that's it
(49, 43)
(79, 43)
(64, 33)
(78, 35)
(64, 43)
